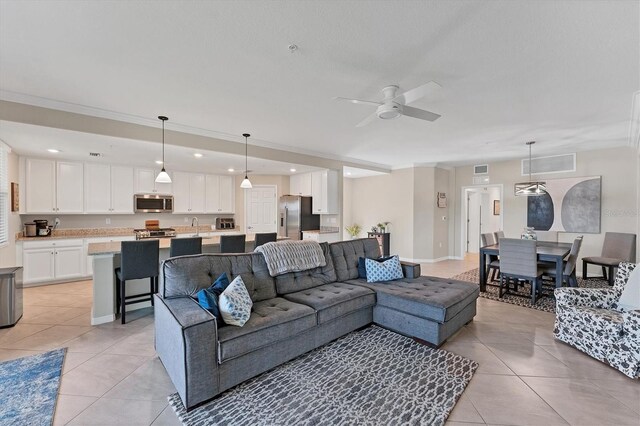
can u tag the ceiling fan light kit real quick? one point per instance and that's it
(531, 188)
(394, 105)
(163, 176)
(246, 183)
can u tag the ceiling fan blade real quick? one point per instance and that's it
(367, 120)
(416, 93)
(419, 113)
(357, 101)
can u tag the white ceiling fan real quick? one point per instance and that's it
(394, 105)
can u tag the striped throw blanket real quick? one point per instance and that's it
(292, 256)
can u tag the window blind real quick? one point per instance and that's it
(4, 195)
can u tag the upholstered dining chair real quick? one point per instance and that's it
(569, 271)
(618, 247)
(185, 246)
(519, 261)
(488, 239)
(498, 235)
(266, 237)
(233, 243)
(547, 236)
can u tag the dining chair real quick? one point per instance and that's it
(138, 259)
(498, 235)
(519, 261)
(185, 246)
(547, 236)
(488, 239)
(569, 270)
(266, 237)
(233, 243)
(618, 247)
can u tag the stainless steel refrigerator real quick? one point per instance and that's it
(295, 216)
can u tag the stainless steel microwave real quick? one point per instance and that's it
(153, 203)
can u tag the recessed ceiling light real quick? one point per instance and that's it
(197, 155)
(292, 170)
(158, 161)
(348, 173)
(54, 151)
(231, 170)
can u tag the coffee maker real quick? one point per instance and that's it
(42, 228)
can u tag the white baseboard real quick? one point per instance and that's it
(439, 259)
(102, 320)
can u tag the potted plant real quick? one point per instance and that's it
(383, 226)
(353, 230)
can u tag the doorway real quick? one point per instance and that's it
(260, 209)
(482, 213)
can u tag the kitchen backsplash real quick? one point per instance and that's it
(123, 221)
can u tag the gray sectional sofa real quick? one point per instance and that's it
(292, 314)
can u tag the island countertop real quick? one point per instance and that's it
(113, 247)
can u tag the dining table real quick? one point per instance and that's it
(547, 252)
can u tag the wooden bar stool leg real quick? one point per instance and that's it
(152, 286)
(117, 295)
(122, 301)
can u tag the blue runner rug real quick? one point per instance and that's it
(29, 388)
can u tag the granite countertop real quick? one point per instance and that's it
(323, 230)
(113, 232)
(113, 247)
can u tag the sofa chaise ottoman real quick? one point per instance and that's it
(292, 314)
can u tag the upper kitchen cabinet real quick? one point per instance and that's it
(53, 186)
(108, 189)
(220, 192)
(189, 192)
(324, 190)
(300, 184)
(145, 183)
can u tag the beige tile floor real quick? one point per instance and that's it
(112, 375)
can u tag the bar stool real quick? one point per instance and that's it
(185, 246)
(139, 259)
(267, 237)
(233, 243)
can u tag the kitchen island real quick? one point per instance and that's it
(106, 258)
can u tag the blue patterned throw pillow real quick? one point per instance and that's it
(235, 303)
(208, 297)
(388, 270)
(362, 269)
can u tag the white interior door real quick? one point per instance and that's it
(260, 213)
(473, 222)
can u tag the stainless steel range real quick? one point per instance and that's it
(142, 234)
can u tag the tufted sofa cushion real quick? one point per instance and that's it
(271, 320)
(345, 256)
(334, 300)
(297, 281)
(432, 298)
(186, 275)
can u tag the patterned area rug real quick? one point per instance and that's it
(29, 388)
(368, 377)
(522, 297)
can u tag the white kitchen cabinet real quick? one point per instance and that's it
(300, 184)
(324, 190)
(189, 191)
(219, 196)
(52, 260)
(53, 186)
(108, 189)
(145, 183)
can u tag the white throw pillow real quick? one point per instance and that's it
(235, 303)
(630, 297)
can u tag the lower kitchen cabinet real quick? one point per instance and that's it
(325, 237)
(53, 260)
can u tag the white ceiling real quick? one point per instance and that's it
(36, 140)
(559, 72)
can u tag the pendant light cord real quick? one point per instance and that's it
(162, 144)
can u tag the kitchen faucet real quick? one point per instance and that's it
(195, 219)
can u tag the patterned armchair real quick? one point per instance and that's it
(588, 319)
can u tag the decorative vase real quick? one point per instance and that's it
(529, 234)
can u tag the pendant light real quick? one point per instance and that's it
(246, 183)
(163, 176)
(531, 188)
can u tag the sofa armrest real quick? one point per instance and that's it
(588, 297)
(410, 270)
(186, 340)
